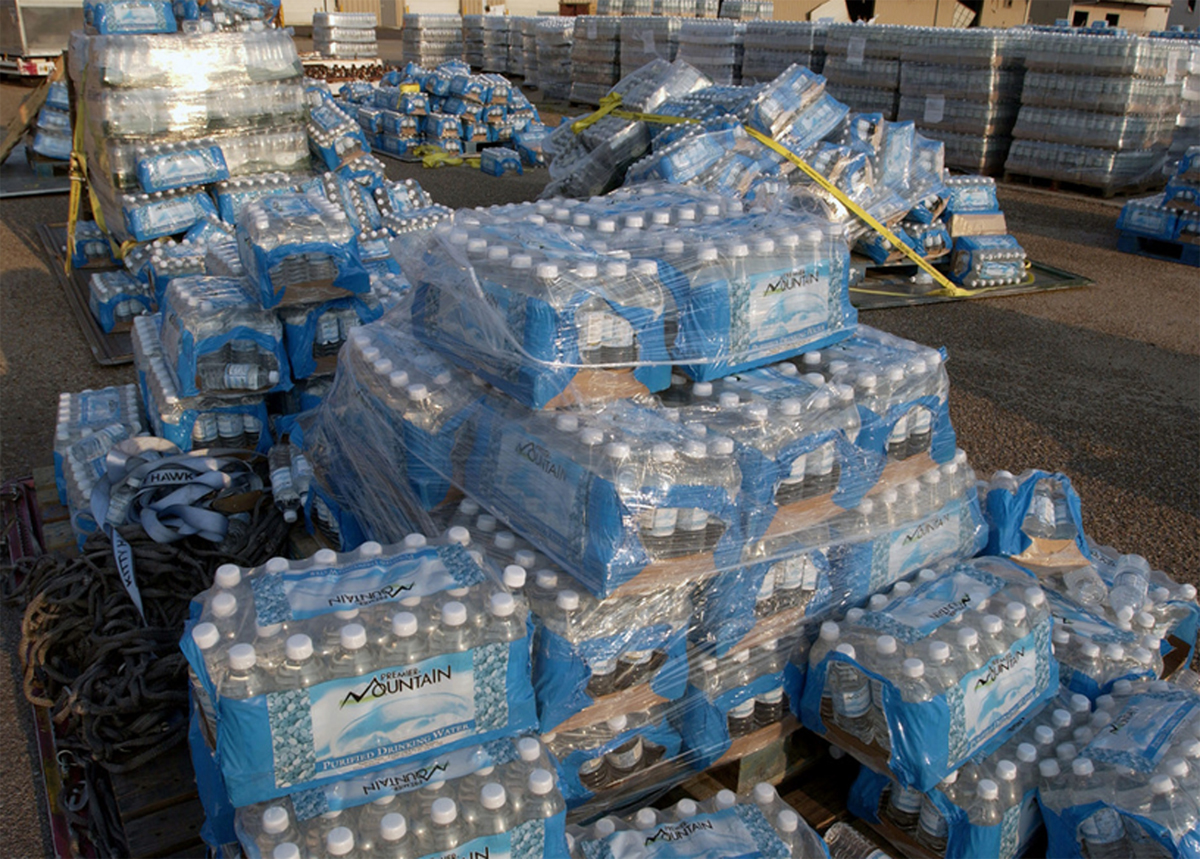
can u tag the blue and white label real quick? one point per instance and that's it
(1140, 734)
(543, 482)
(1080, 621)
(741, 832)
(775, 308)
(935, 603)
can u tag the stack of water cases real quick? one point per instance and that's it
(529, 59)
(644, 39)
(52, 137)
(1172, 215)
(345, 35)
(758, 824)
(715, 48)
(165, 117)
(1096, 109)
(862, 64)
(447, 107)
(772, 46)
(473, 40)
(432, 39)
(89, 424)
(594, 160)
(555, 39)
(371, 702)
(963, 89)
(1184, 65)
(495, 43)
(748, 10)
(983, 253)
(595, 60)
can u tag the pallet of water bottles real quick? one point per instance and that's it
(1166, 225)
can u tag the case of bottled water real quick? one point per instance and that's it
(217, 339)
(555, 37)
(759, 823)
(152, 216)
(982, 261)
(299, 248)
(106, 416)
(129, 17)
(349, 664)
(91, 247)
(168, 259)
(496, 799)
(333, 134)
(1131, 789)
(934, 677)
(430, 39)
(115, 297)
(1117, 618)
(1170, 215)
(498, 160)
(314, 333)
(193, 423)
(53, 137)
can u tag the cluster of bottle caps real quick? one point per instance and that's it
(432, 819)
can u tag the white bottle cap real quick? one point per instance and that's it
(492, 796)
(541, 782)
(566, 423)
(298, 647)
(617, 450)
(987, 790)
(914, 668)
(242, 657)
(618, 723)
(1060, 718)
(686, 808)
(846, 650)
(721, 446)
(353, 637)
(370, 549)
(325, 557)
(591, 436)
(404, 624)
(454, 613)
(830, 631)
(764, 793)
(702, 389)
(346, 613)
(529, 749)
(968, 637)
(646, 818)
(662, 452)
(885, 645)
(417, 392)
(724, 799)
(1026, 753)
(788, 820)
(604, 827)
(286, 850)
(1161, 784)
(547, 580)
(227, 576)
(1048, 768)
(224, 605)
(458, 535)
(1015, 612)
(939, 651)
(415, 541)
(393, 827)
(205, 635)
(992, 625)
(1035, 596)
(275, 820)
(729, 400)
(514, 576)
(567, 600)
(339, 841)
(1125, 614)
(444, 811)
(398, 379)
(502, 604)
(1006, 770)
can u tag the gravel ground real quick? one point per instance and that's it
(1102, 383)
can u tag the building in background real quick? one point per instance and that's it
(1137, 16)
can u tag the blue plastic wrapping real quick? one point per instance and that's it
(128, 17)
(109, 414)
(91, 246)
(234, 195)
(409, 790)
(179, 166)
(116, 297)
(53, 143)
(313, 334)
(57, 97)
(971, 195)
(216, 338)
(218, 827)
(498, 160)
(972, 710)
(152, 216)
(460, 685)
(987, 261)
(169, 259)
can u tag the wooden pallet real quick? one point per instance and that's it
(1059, 185)
(1186, 253)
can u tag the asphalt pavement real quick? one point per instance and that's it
(1101, 382)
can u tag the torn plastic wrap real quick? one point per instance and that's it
(390, 811)
(389, 654)
(298, 248)
(564, 321)
(1128, 789)
(193, 423)
(216, 338)
(950, 703)
(758, 824)
(1116, 618)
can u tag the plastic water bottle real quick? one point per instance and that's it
(1170, 806)
(1085, 586)
(1103, 835)
(453, 634)
(494, 815)
(886, 663)
(279, 460)
(395, 841)
(445, 830)
(932, 828)
(352, 658)
(503, 624)
(276, 828)
(339, 843)
(914, 688)
(243, 679)
(985, 810)
(541, 800)
(1131, 581)
(851, 696)
(904, 806)
(845, 842)
(300, 668)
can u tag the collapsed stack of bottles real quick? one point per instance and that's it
(429, 39)
(89, 424)
(447, 107)
(52, 134)
(758, 823)
(983, 253)
(1097, 109)
(345, 35)
(1172, 215)
(964, 91)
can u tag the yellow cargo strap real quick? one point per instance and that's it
(435, 156)
(406, 88)
(609, 106)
